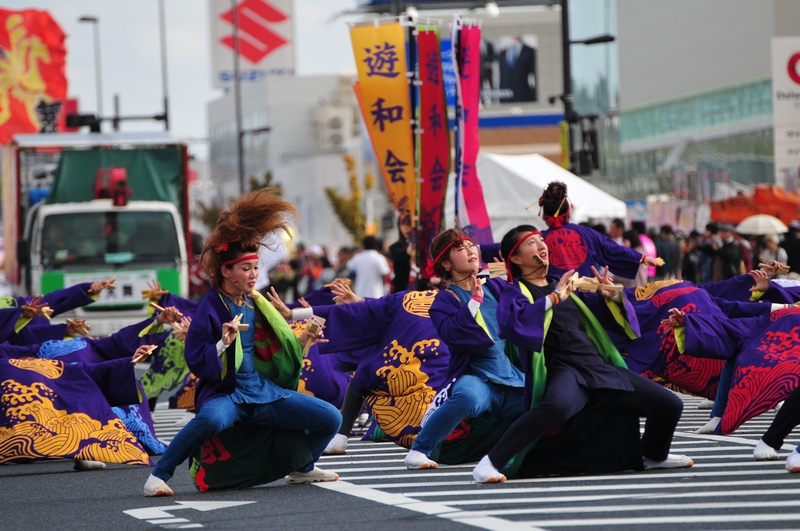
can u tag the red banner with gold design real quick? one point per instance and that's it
(381, 59)
(435, 142)
(33, 80)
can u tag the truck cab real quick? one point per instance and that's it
(80, 208)
(72, 243)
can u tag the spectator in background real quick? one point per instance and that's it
(669, 250)
(342, 257)
(616, 230)
(728, 257)
(401, 262)
(599, 227)
(690, 256)
(369, 267)
(747, 251)
(791, 244)
(631, 240)
(708, 245)
(647, 244)
(774, 251)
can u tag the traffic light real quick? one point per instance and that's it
(589, 155)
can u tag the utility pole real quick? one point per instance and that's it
(163, 31)
(567, 97)
(237, 95)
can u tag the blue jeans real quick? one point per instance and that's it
(724, 388)
(317, 418)
(470, 397)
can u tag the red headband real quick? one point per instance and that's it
(432, 263)
(514, 250)
(241, 259)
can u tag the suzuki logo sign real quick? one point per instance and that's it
(265, 39)
(257, 39)
(794, 75)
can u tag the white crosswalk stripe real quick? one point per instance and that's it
(726, 488)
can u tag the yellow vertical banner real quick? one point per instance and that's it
(383, 89)
(563, 133)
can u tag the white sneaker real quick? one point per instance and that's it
(485, 472)
(85, 464)
(362, 419)
(185, 419)
(764, 452)
(793, 462)
(417, 461)
(710, 426)
(337, 445)
(156, 487)
(705, 404)
(672, 461)
(315, 476)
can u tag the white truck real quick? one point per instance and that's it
(84, 207)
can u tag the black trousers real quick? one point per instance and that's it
(351, 408)
(564, 398)
(787, 418)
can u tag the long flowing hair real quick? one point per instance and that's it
(242, 227)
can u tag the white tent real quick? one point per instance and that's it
(512, 182)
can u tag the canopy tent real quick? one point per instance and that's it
(512, 182)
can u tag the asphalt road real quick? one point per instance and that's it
(725, 489)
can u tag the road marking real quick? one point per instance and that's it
(432, 509)
(627, 496)
(161, 515)
(670, 520)
(655, 507)
(504, 489)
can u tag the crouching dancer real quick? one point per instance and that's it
(580, 368)
(464, 314)
(247, 375)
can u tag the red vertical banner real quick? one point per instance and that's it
(33, 80)
(435, 143)
(469, 187)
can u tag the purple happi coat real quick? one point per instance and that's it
(767, 359)
(402, 364)
(576, 247)
(656, 355)
(53, 409)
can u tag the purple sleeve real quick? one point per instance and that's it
(116, 379)
(31, 334)
(621, 260)
(201, 344)
(64, 300)
(8, 321)
(456, 326)
(735, 310)
(122, 343)
(185, 306)
(708, 336)
(350, 327)
(521, 322)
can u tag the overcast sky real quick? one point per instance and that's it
(131, 57)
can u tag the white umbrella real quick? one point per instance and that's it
(761, 224)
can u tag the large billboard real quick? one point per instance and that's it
(266, 44)
(786, 109)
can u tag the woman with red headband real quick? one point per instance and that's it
(464, 313)
(580, 248)
(247, 375)
(581, 367)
